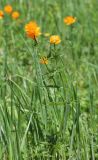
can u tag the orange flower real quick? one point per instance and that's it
(8, 9)
(1, 14)
(55, 39)
(32, 30)
(15, 15)
(69, 20)
(44, 60)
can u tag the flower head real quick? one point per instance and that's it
(1, 14)
(69, 20)
(44, 60)
(32, 30)
(15, 15)
(54, 39)
(8, 9)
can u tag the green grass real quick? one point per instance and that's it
(49, 112)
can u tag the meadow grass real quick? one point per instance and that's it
(49, 112)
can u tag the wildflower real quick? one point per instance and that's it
(1, 14)
(15, 15)
(8, 9)
(54, 39)
(44, 60)
(32, 30)
(69, 20)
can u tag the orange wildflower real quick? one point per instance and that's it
(1, 14)
(69, 20)
(54, 39)
(44, 60)
(15, 15)
(32, 30)
(8, 9)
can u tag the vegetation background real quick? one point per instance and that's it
(49, 112)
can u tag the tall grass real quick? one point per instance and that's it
(49, 112)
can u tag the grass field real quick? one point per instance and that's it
(49, 111)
